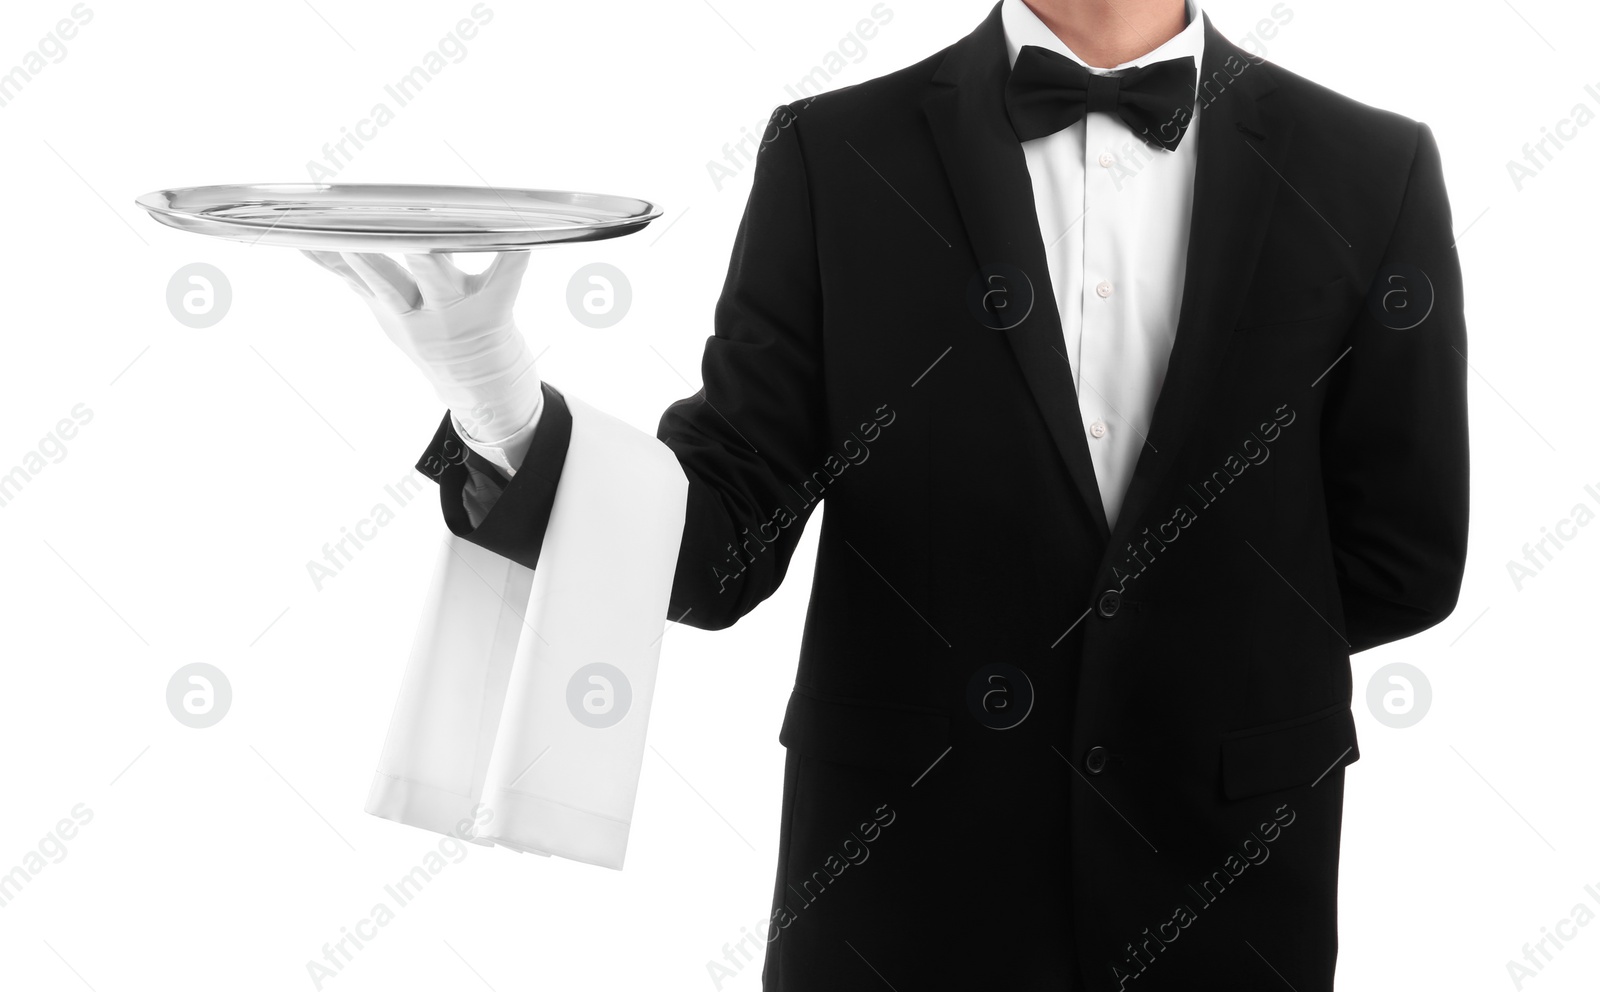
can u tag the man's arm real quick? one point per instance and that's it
(470, 484)
(1395, 428)
(755, 427)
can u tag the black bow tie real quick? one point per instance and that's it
(1047, 92)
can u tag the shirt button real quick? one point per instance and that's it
(1107, 160)
(1104, 289)
(1110, 601)
(1098, 428)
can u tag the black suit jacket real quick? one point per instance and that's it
(1070, 757)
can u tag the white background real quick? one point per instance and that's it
(178, 526)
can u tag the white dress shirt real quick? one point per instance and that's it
(1114, 215)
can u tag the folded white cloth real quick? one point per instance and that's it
(522, 713)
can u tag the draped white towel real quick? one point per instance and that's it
(522, 713)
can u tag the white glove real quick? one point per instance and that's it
(457, 329)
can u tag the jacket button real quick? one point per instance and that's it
(1095, 760)
(1110, 600)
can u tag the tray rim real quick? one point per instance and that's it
(151, 204)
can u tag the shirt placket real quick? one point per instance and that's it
(1102, 302)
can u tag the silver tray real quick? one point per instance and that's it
(403, 218)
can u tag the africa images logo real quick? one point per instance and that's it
(1143, 950)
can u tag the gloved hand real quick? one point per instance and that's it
(457, 329)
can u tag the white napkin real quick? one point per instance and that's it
(522, 713)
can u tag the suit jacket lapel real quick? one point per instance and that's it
(989, 177)
(1237, 180)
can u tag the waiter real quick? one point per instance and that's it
(1160, 355)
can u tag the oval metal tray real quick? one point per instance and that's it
(403, 218)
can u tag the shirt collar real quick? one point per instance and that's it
(1023, 27)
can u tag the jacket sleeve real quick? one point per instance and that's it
(1394, 430)
(751, 434)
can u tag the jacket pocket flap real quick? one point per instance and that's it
(1287, 754)
(856, 732)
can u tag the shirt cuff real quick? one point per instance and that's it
(507, 453)
(506, 516)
